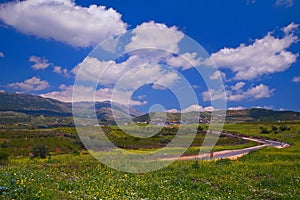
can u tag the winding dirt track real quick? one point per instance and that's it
(234, 154)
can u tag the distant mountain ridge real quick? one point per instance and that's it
(232, 116)
(37, 105)
(31, 105)
(260, 114)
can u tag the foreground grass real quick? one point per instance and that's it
(266, 174)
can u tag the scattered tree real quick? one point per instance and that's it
(41, 151)
(4, 155)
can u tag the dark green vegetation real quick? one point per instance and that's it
(265, 174)
(26, 143)
(64, 140)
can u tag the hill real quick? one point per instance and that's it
(232, 116)
(26, 111)
(33, 105)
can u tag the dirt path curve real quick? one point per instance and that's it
(234, 154)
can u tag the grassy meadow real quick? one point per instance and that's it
(265, 174)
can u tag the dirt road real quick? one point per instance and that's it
(234, 154)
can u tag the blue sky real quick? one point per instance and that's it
(253, 43)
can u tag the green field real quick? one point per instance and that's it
(265, 174)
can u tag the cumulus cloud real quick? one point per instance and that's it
(238, 86)
(296, 79)
(156, 36)
(191, 108)
(63, 20)
(265, 56)
(83, 93)
(285, 3)
(144, 72)
(184, 61)
(197, 108)
(173, 110)
(217, 75)
(256, 92)
(1, 54)
(236, 108)
(213, 95)
(60, 70)
(39, 63)
(237, 94)
(32, 84)
(290, 29)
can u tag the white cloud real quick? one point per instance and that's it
(156, 36)
(290, 29)
(236, 108)
(91, 68)
(257, 92)
(32, 84)
(65, 93)
(39, 63)
(191, 108)
(2, 91)
(57, 69)
(63, 20)
(285, 3)
(1, 55)
(60, 70)
(142, 97)
(264, 107)
(238, 86)
(296, 79)
(236, 94)
(265, 56)
(185, 61)
(197, 108)
(88, 94)
(217, 75)
(134, 72)
(213, 95)
(173, 110)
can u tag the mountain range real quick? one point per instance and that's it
(33, 110)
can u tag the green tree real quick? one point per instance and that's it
(40, 150)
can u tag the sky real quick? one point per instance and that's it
(48, 45)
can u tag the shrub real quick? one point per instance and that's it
(283, 128)
(264, 130)
(4, 145)
(4, 156)
(274, 128)
(40, 151)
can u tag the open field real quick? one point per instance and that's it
(265, 174)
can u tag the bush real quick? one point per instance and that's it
(40, 151)
(200, 128)
(4, 145)
(264, 130)
(274, 128)
(283, 128)
(4, 156)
